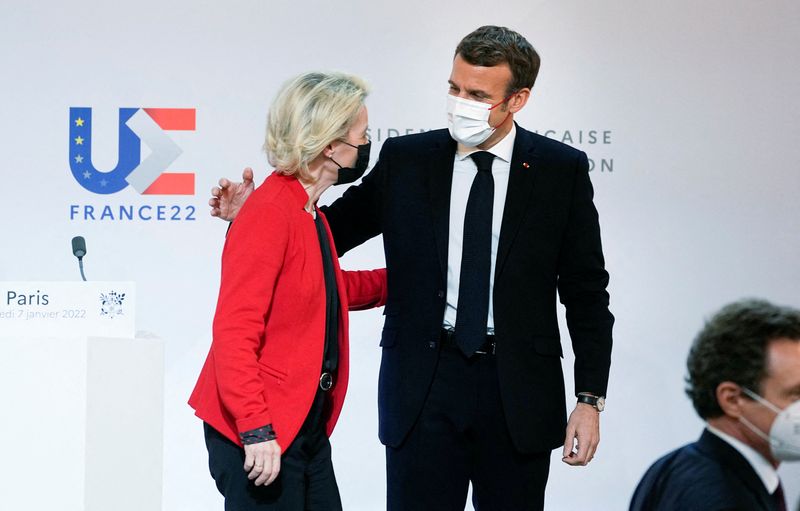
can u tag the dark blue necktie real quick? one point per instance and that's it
(476, 254)
(780, 498)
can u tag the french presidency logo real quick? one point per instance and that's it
(148, 176)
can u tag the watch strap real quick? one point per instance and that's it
(593, 401)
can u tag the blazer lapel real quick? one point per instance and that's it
(440, 180)
(730, 458)
(520, 185)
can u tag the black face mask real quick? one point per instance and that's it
(350, 174)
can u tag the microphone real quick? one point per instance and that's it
(79, 247)
(79, 250)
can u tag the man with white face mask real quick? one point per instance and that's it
(483, 224)
(744, 381)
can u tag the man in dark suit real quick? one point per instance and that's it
(744, 375)
(483, 223)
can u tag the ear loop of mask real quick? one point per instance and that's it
(761, 400)
(500, 103)
(344, 142)
(752, 426)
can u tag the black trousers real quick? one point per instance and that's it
(305, 483)
(461, 437)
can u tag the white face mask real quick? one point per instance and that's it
(468, 120)
(784, 435)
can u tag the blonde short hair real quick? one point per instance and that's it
(309, 112)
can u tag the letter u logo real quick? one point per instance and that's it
(135, 125)
(80, 152)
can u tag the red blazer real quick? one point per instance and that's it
(269, 328)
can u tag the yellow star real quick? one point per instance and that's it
(79, 141)
(78, 122)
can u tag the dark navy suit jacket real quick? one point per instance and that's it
(708, 475)
(549, 242)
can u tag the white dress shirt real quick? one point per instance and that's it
(766, 472)
(464, 171)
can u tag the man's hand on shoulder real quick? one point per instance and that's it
(583, 435)
(227, 198)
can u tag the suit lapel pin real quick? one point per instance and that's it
(526, 165)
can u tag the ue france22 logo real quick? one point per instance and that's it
(136, 125)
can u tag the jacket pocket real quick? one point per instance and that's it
(271, 371)
(549, 346)
(388, 338)
(391, 320)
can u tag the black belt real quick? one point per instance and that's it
(448, 338)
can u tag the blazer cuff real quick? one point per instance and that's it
(255, 436)
(251, 423)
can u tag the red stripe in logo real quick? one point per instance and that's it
(172, 183)
(173, 119)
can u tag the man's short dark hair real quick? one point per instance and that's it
(732, 346)
(491, 46)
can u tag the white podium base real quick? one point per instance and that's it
(82, 424)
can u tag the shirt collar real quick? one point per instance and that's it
(502, 149)
(766, 472)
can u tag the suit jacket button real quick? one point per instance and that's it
(440, 294)
(432, 344)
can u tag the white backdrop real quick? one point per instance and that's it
(695, 105)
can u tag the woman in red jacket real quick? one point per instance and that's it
(274, 381)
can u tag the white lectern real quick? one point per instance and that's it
(82, 399)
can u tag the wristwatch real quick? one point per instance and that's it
(598, 402)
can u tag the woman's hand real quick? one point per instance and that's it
(263, 461)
